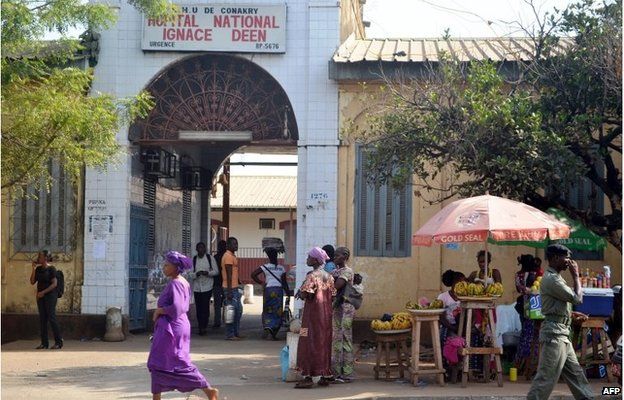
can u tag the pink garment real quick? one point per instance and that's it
(318, 254)
(451, 348)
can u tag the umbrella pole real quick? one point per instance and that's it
(485, 276)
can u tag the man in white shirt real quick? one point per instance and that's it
(205, 268)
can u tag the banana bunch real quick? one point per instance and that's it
(461, 288)
(412, 305)
(495, 289)
(477, 289)
(469, 289)
(401, 320)
(379, 325)
(436, 304)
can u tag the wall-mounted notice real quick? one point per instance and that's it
(100, 226)
(219, 27)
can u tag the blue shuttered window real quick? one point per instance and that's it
(382, 216)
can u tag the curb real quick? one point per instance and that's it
(557, 397)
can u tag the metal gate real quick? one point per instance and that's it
(139, 225)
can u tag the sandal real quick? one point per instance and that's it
(304, 384)
(323, 382)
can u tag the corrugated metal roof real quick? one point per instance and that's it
(424, 50)
(259, 192)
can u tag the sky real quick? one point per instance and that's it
(464, 18)
(419, 19)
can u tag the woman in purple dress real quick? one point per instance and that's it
(169, 361)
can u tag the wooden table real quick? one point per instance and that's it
(384, 343)
(486, 304)
(418, 367)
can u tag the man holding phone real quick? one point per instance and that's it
(557, 356)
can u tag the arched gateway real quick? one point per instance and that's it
(217, 93)
(206, 107)
(208, 104)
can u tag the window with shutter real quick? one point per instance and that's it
(382, 216)
(149, 199)
(45, 220)
(186, 222)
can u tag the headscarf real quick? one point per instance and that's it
(318, 254)
(179, 260)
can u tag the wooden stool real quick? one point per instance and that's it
(465, 319)
(595, 325)
(419, 367)
(384, 343)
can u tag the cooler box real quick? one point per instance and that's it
(533, 306)
(597, 302)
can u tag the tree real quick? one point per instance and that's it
(464, 130)
(47, 110)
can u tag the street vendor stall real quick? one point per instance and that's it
(484, 219)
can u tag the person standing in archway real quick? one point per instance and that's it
(205, 268)
(229, 271)
(217, 290)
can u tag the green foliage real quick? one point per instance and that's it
(47, 110)
(54, 118)
(465, 130)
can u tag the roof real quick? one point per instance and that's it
(259, 192)
(430, 50)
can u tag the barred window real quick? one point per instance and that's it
(46, 220)
(382, 216)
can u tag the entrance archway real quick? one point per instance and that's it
(206, 107)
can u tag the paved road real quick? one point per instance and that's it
(241, 370)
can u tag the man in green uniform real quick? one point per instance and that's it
(557, 356)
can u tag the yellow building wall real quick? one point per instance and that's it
(17, 294)
(391, 282)
(351, 19)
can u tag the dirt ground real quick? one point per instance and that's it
(241, 370)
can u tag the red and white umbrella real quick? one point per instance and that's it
(476, 219)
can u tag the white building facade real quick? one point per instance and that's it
(135, 212)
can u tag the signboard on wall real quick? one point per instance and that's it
(219, 27)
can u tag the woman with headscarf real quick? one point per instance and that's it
(169, 361)
(342, 344)
(274, 285)
(315, 336)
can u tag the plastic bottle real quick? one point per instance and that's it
(599, 281)
(607, 274)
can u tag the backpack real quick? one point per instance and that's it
(60, 283)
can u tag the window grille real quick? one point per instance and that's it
(267, 223)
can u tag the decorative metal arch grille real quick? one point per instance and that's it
(217, 93)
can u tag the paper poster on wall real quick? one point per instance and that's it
(99, 249)
(100, 226)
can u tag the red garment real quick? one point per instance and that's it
(451, 349)
(315, 336)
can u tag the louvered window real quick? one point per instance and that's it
(46, 220)
(186, 222)
(382, 216)
(149, 199)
